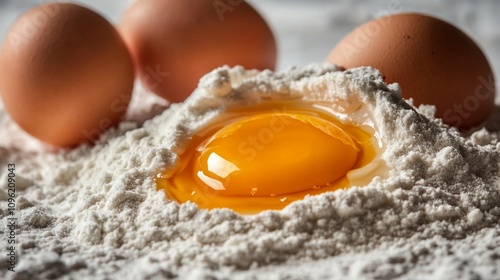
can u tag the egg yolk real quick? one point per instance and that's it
(274, 154)
(260, 160)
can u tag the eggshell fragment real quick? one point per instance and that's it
(175, 42)
(433, 61)
(66, 74)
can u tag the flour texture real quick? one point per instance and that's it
(94, 212)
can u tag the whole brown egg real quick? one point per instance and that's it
(433, 62)
(65, 74)
(175, 42)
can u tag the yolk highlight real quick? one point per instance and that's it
(257, 161)
(274, 154)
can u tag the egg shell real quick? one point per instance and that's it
(66, 75)
(175, 42)
(433, 62)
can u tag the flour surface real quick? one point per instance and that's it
(94, 212)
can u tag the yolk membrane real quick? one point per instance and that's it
(259, 160)
(274, 154)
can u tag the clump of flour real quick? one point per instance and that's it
(94, 212)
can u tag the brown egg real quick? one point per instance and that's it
(433, 62)
(175, 42)
(65, 75)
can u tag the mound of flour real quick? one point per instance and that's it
(94, 213)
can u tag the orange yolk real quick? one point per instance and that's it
(258, 160)
(274, 154)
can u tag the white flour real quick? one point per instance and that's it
(94, 213)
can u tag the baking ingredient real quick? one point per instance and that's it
(66, 74)
(433, 61)
(175, 42)
(266, 156)
(94, 212)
